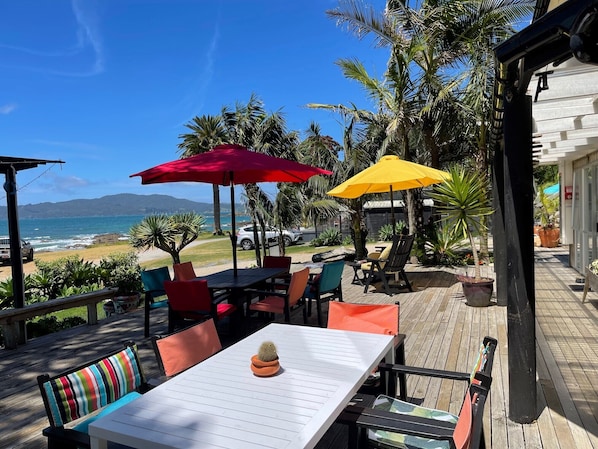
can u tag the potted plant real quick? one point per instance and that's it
(591, 280)
(122, 270)
(547, 207)
(464, 200)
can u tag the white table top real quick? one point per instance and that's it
(221, 403)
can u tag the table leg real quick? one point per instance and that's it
(400, 359)
(96, 443)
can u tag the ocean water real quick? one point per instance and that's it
(54, 234)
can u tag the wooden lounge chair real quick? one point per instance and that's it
(381, 269)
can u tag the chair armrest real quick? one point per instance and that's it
(220, 296)
(376, 419)
(265, 292)
(428, 372)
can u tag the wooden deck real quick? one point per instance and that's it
(442, 332)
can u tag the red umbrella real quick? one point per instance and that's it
(230, 165)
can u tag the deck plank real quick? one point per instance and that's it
(442, 332)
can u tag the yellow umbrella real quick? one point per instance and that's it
(388, 174)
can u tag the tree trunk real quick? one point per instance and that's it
(358, 232)
(216, 201)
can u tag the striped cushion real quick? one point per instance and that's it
(481, 361)
(409, 441)
(79, 393)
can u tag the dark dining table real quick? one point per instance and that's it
(246, 278)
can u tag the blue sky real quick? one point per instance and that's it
(107, 85)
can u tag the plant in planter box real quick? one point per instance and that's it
(463, 200)
(122, 270)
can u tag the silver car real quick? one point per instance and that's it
(26, 250)
(245, 236)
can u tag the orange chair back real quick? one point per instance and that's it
(297, 286)
(188, 295)
(181, 350)
(373, 318)
(184, 271)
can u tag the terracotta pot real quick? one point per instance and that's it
(264, 369)
(549, 237)
(477, 293)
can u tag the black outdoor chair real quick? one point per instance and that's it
(381, 269)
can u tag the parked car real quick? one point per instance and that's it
(26, 250)
(245, 236)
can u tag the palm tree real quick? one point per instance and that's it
(251, 126)
(170, 233)
(207, 131)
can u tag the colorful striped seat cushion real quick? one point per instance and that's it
(480, 363)
(89, 389)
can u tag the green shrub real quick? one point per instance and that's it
(329, 237)
(385, 233)
(121, 270)
(442, 246)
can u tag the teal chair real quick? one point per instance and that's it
(155, 295)
(325, 287)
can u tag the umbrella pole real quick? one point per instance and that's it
(233, 234)
(392, 211)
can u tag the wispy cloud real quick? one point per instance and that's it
(195, 100)
(7, 109)
(82, 149)
(88, 41)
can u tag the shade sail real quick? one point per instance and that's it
(230, 165)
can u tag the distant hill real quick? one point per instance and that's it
(116, 205)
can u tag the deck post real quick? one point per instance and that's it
(518, 219)
(498, 225)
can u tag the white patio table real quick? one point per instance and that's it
(220, 403)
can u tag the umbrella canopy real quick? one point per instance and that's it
(551, 190)
(390, 173)
(230, 165)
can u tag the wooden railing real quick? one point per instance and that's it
(10, 318)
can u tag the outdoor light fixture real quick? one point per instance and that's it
(542, 83)
(584, 37)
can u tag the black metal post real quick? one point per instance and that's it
(518, 219)
(16, 259)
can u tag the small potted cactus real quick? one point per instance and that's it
(265, 363)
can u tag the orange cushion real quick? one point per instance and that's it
(189, 347)
(373, 318)
(271, 304)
